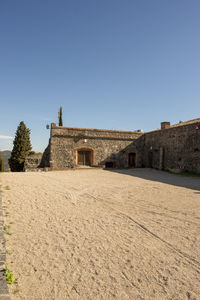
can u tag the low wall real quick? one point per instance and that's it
(32, 162)
(37, 161)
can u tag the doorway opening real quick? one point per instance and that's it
(109, 164)
(132, 159)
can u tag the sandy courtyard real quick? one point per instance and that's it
(102, 235)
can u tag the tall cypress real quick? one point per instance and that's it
(60, 117)
(1, 164)
(21, 148)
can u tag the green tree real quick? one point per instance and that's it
(1, 164)
(21, 148)
(60, 117)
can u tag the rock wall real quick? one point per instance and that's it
(105, 146)
(32, 162)
(37, 161)
(175, 148)
(45, 158)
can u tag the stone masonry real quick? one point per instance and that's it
(105, 146)
(173, 147)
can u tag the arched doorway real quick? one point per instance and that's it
(132, 159)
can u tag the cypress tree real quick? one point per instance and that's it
(21, 148)
(1, 164)
(60, 117)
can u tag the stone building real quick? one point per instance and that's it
(71, 147)
(173, 147)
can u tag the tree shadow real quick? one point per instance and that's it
(161, 176)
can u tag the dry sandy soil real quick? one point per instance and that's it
(103, 235)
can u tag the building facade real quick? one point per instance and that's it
(71, 147)
(175, 147)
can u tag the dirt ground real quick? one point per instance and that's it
(102, 235)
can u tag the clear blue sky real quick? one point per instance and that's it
(127, 64)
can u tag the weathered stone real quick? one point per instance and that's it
(37, 161)
(103, 146)
(175, 148)
(32, 161)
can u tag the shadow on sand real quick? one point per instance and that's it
(161, 176)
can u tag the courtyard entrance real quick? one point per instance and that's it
(132, 160)
(84, 157)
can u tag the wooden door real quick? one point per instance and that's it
(87, 158)
(132, 159)
(81, 157)
(84, 158)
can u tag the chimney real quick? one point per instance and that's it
(165, 125)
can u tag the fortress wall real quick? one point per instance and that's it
(174, 147)
(177, 147)
(106, 145)
(37, 161)
(93, 133)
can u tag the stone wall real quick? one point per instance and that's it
(37, 161)
(175, 148)
(105, 146)
(45, 158)
(32, 162)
